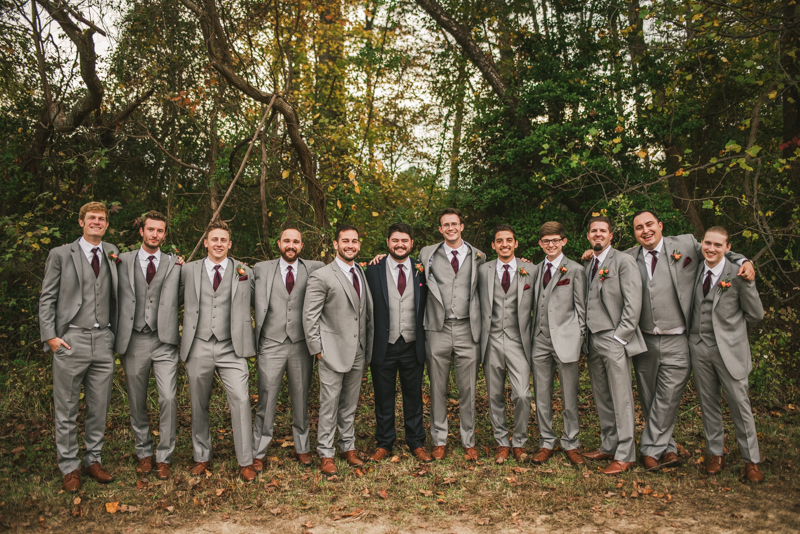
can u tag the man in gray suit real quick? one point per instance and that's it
(280, 287)
(613, 306)
(147, 336)
(77, 319)
(559, 331)
(668, 268)
(337, 319)
(724, 306)
(506, 299)
(453, 328)
(217, 337)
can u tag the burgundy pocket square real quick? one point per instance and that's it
(526, 287)
(563, 282)
(243, 278)
(687, 261)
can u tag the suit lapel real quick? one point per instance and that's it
(607, 263)
(520, 288)
(199, 271)
(415, 278)
(672, 266)
(433, 287)
(474, 281)
(727, 272)
(490, 282)
(131, 266)
(77, 257)
(554, 278)
(234, 278)
(384, 280)
(271, 274)
(345, 283)
(171, 260)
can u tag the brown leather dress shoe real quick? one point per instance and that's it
(72, 481)
(351, 457)
(97, 472)
(145, 465)
(471, 454)
(422, 455)
(438, 452)
(304, 458)
(520, 454)
(327, 466)
(597, 456)
(379, 455)
(247, 473)
(670, 459)
(162, 471)
(542, 455)
(199, 468)
(714, 465)
(650, 463)
(258, 465)
(616, 467)
(575, 457)
(502, 455)
(752, 473)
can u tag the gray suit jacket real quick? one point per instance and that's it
(328, 313)
(266, 271)
(621, 297)
(732, 312)
(61, 289)
(566, 308)
(683, 271)
(523, 285)
(168, 331)
(435, 312)
(241, 303)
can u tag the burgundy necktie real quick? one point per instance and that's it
(356, 282)
(151, 269)
(217, 277)
(289, 279)
(653, 261)
(401, 279)
(707, 284)
(454, 261)
(547, 275)
(95, 262)
(506, 282)
(594, 267)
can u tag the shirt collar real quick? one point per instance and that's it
(462, 250)
(144, 255)
(283, 264)
(659, 247)
(512, 265)
(210, 264)
(405, 263)
(343, 265)
(602, 256)
(558, 261)
(716, 271)
(87, 247)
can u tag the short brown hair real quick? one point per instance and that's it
(719, 230)
(601, 218)
(503, 228)
(553, 228)
(290, 227)
(92, 206)
(154, 215)
(345, 228)
(219, 225)
(451, 211)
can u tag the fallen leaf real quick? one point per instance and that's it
(619, 511)
(76, 501)
(112, 507)
(658, 512)
(549, 471)
(634, 494)
(275, 511)
(395, 459)
(365, 493)
(287, 444)
(426, 493)
(220, 491)
(307, 525)
(587, 474)
(620, 484)
(610, 494)
(520, 470)
(194, 481)
(448, 480)
(142, 484)
(483, 520)
(383, 494)
(170, 509)
(129, 509)
(737, 516)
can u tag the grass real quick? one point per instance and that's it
(481, 495)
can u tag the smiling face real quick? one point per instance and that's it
(648, 230)
(153, 233)
(94, 224)
(599, 236)
(504, 244)
(552, 245)
(715, 246)
(347, 246)
(290, 244)
(450, 226)
(218, 243)
(400, 245)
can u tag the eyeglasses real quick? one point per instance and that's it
(451, 225)
(546, 242)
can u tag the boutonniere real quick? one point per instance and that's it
(420, 269)
(173, 250)
(240, 270)
(676, 255)
(478, 255)
(723, 285)
(113, 255)
(603, 273)
(363, 265)
(563, 268)
(522, 271)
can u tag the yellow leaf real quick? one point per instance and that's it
(339, 204)
(773, 94)
(358, 189)
(375, 214)
(617, 140)
(698, 16)
(351, 175)
(285, 174)
(112, 507)
(642, 154)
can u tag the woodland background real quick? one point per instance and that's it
(384, 110)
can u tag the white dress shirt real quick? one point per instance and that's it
(210, 268)
(648, 258)
(395, 270)
(716, 272)
(144, 260)
(346, 268)
(283, 266)
(87, 247)
(461, 253)
(512, 269)
(555, 263)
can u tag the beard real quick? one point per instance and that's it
(399, 258)
(597, 247)
(285, 254)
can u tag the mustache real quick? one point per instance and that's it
(597, 247)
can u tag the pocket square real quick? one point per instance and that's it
(563, 282)
(243, 278)
(526, 287)
(687, 261)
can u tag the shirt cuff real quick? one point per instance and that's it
(741, 261)
(623, 343)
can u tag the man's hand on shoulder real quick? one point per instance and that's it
(747, 271)
(377, 259)
(180, 261)
(587, 255)
(57, 342)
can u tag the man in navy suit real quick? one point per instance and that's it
(399, 294)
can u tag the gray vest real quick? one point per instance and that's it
(702, 325)
(455, 288)
(541, 321)
(402, 316)
(660, 305)
(95, 295)
(504, 311)
(362, 305)
(215, 306)
(285, 316)
(597, 320)
(148, 296)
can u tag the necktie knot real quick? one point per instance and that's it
(653, 261)
(289, 268)
(356, 282)
(96, 261)
(454, 261)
